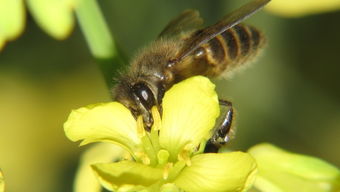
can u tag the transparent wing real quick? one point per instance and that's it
(202, 36)
(188, 20)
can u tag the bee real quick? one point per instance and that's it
(184, 49)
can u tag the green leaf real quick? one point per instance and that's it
(55, 17)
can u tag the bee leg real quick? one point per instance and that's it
(222, 132)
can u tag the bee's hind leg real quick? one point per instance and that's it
(222, 132)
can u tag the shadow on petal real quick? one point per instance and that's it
(123, 174)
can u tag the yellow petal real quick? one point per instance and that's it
(218, 172)
(86, 181)
(127, 175)
(54, 16)
(297, 8)
(12, 19)
(169, 187)
(280, 170)
(2, 182)
(2, 42)
(110, 122)
(190, 109)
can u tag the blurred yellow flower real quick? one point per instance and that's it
(2, 182)
(86, 180)
(281, 171)
(12, 20)
(169, 157)
(298, 8)
(53, 16)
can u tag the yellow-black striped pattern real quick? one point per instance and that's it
(225, 52)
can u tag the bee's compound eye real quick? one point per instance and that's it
(200, 52)
(144, 94)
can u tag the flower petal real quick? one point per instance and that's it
(128, 175)
(110, 122)
(190, 109)
(12, 18)
(2, 42)
(217, 172)
(169, 187)
(280, 170)
(2, 182)
(54, 16)
(86, 181)
(293, 8)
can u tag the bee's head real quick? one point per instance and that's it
(138, 98)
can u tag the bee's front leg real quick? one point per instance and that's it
(222, 132)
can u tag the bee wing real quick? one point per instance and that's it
(188, 20)
(202, 36)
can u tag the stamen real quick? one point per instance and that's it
(154, 134)
(150, 151)
(201, 147)
(140, 127)
(184, 155)
(157, 122)
(142, 157)
(163, 156)
(155, 140)
(147, 144)
(166, 170)
(176, 170)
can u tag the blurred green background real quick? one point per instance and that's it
(289, 97)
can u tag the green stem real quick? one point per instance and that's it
(99, 39)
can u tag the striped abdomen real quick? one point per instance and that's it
(230, 49)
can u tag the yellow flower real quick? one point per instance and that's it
(85, 180)
(2, 182)
(169, 157)
(54, 16)
(57, 19)
(297, 8)
(281, 171)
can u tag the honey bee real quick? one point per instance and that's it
(184, 49)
